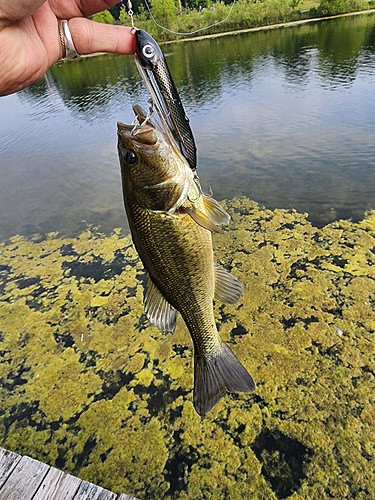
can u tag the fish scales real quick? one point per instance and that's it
(171, 223)
(168, 262)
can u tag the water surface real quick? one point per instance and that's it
(285, 117)
(88, 385)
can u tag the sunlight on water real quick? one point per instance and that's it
(285, 117)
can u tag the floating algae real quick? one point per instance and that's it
(89, 386)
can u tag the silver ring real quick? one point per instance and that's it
(68, 49)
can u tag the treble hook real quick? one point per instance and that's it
(141, 118)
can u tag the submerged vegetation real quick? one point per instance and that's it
(90, 387)
(201, 14)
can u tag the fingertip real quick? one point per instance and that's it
(90, 37)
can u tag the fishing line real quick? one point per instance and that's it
(180, 32)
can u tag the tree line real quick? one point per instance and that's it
(191, 15)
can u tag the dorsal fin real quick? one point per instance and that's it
(228, 288)
(157, 309)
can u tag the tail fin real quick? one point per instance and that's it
(215, 375)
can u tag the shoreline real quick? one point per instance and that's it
(235, 32)
(269, 27)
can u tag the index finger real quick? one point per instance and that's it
(90, 37)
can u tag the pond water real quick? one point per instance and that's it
(285, 117)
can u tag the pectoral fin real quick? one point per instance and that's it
(216, 374)
(212, 216)
(228, 288)
(215, 212)
(202, 219)
(157, 309)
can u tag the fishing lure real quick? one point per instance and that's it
(153, 68)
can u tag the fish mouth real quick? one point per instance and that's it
(141, 134)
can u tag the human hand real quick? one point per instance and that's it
(30, 41)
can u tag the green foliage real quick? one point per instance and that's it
(103, 17)
(332, 7)
(245, 14)
(294, 3)
(187, 16)
(163, 10)
(201, 4)
(115, 10)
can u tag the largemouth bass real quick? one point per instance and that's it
(171, 223)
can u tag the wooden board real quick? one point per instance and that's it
(92, 492)
(122, 496)
(57, 486)
(23, 478)
(8, 460)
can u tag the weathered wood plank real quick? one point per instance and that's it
(57, 486)
(8, 460)
(24, 480)
(122, 496)
(88, 491)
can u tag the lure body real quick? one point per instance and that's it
(153, 68)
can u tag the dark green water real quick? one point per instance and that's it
(285, 117)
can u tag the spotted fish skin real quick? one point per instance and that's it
(171, 222)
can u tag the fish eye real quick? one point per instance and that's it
(148, 51)
(130, 157)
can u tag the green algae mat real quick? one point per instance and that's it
(88, 386)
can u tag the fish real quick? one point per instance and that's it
(171, 223)
(154, 70)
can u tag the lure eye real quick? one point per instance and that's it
(148, 51)
(130, 157)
